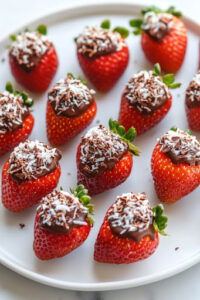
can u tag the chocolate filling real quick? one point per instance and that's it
(193, 95)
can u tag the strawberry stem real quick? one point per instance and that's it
(126, 136)
(42, 29)
(124, 32)
(160, 221)
(81, 193)
(26, 100)
(69, 74)
(168, 79)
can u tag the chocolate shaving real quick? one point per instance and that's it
(193, 92)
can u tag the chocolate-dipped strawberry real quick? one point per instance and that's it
(33, 59)
(192, 102)
(130, 230)
(104, 157)
(176, 165)
(31, 172)
(146, 99)
(70, 109)
(163, 37)
(62, 223)
(16, 121)
(103, 54)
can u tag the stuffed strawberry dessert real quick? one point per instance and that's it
(104, 157)
(192, 103)
(31, 172)
(176, 165)
(16, 121)
(164, 37)
(130, 230)
(146, 99)
(70, 109)
(62, 223)
(33, 60)
(103, 54)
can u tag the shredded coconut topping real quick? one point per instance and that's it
(100, 150)
(62, 209)
(12, 112)
(181, 147)
(131, 213)
(193, 91)
(70, 96)
(146, 92)
(157, 25)
(28, 48)
(95, 41)
(32, 159)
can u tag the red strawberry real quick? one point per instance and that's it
(164, 38)
(70, 109)
(117, 243)
(30, 174)
(175, 165)
(59, 231)
(104, 158)
(192, 103)
(103, 55)
(146, 100)
(16, 121)
(33, 61)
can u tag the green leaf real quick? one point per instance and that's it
(174, 128)
(61, 188)
(126, 136)
(9, 87)
(75, 39)
(82, 194)
(69, 74)
(189, 131)
(137, 23)
(174, 85)
(137, 31)
(152, 8)
(13, 37)
(42, 29)
(168, 79)
(105, 24)
(172, 10)
(160, 221)
(157, 70)
(122, 31)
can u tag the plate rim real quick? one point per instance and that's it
(111, 285)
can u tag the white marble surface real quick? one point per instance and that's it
(184, 286)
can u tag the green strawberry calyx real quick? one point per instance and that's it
(160, 221)
(126, 136)
(168, 79)
(174, 128)
(81, 193)
(26, 100)
(83, 81)
(137, 23)
(42, 29)
(124, 32)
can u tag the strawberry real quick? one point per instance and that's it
(175, 165)
(62, 223)
(130, 230)
(104, 157)
(16, 121)
(33, 60)
(146, 99)
(192, 103)
(70, 109)
(164, 37)
(103, 54)
(31, 172)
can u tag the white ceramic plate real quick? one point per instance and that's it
(78, 270)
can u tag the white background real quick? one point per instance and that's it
(14, 13)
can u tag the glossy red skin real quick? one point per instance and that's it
(9, 140)
(39, 79)
(111, 249)
(61, 129)
(49, 245)
(130, 116)
(170, 51)
(104, 71)
(193, 117)
(18, 197)
(109, 178)
(172, 181)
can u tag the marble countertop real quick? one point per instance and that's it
(13, 286)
